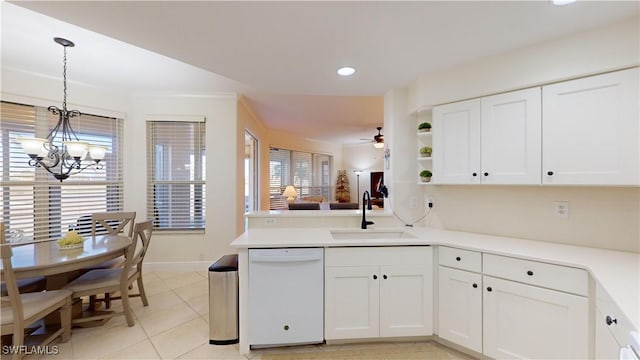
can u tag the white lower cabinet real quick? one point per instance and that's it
(605, 345)
(612, 328)
(378, 292)
(406, 300)
(460, 307)
(352, 302)
(525, 321)
(506, 307)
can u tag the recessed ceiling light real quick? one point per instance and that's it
(346, 71)
(562, 2)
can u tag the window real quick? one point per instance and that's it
(36, 206)
(176, 174)
(250, 172)
(307, 172)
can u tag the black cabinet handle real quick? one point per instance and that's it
(549, 173)
(486, 174)
(489, 289)
(475, 174)
(375, 277)
(458, 258)
(610, 320)
(530, 273)
(384, 277)
(475, 286)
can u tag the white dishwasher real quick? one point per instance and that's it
(286, 296)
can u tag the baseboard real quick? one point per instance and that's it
(459, 348)
(380, 340)
(177, 266)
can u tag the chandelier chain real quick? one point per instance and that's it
(64, 79)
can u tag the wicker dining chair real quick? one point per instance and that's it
(22, 310)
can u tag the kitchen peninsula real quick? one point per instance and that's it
(597, 283)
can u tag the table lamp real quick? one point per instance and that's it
(290, 192)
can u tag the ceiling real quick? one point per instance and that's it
(283, 55)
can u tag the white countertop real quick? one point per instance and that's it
(313, 213)
(618, 272)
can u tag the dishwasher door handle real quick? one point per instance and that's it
(285, 259)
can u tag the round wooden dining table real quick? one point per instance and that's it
(45, 258)
(60, 266)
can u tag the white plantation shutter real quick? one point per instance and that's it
(302, 175)
(176, 174)
(279, 169)
(37, 205)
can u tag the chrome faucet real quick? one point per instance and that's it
(366, 197)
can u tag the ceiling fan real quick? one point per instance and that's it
(378, 140)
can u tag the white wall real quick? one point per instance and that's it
(223, 212)
(604, 217)
(400, 137)
(598, 50)
(249, 121)
(361, 157)
(31, 89)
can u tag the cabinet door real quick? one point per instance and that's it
(528, 322)
(511, 138)
(460, 307)
(406, 305)
(351, 302)
(456, 143)
(590, 130)
(606, 346)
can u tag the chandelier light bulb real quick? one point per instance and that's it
(32, 146)
(97, 152)
(76, 149)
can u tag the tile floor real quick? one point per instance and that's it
(175, 326)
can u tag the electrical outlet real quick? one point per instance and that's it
(428, 201)
(561, 209)
(270, 221)
(413, 202)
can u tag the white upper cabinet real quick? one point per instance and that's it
(590, 133)
(510, 137)
(456, 143)
(492, 140)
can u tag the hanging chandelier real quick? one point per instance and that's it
(62, 153)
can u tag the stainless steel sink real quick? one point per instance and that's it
(369, 234)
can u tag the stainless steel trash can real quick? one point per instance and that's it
(223, 301)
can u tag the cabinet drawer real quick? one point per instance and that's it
(619, 325)
(460, 259)
(388, 255)
(551, 276)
